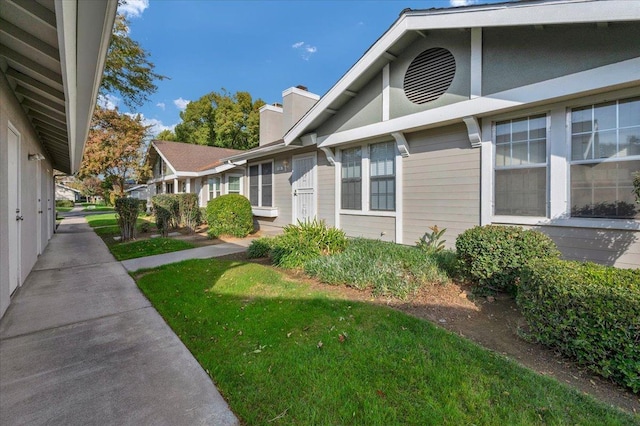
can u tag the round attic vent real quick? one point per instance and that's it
(429, 75)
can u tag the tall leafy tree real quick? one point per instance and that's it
(115, 148)
(166, 135)
(221, 119)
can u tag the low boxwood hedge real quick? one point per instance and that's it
(589, 312)
(229, 214)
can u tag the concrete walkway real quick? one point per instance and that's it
(81, 345)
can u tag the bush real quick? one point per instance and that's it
(432, 242)
(229, 214)
(64, 203)
(260, 248)
(143, 206)
(165, 209)
(492, 256)
(188, 210)
(389, 269)
(127, 211)
(203, 215)
(304, 241)
(588, 312)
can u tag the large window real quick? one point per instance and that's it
(214, 187)
(261, 184)
(351, 187)
(382, 176)
(233, 185)
(521, 167)
(605, 152)
(169, 188)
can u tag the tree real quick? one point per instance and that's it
(128, 70)
(166, 135)
(221, 119)
(115, 148)
(92, 187)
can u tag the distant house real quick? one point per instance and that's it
(64, 192)
(141, 192)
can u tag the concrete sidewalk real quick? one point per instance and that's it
(81, 345)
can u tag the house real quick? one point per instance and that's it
(64, 192)
(140, 192)
(51, 61)
(179, 167)
(523, 113)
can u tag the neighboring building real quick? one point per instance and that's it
(523, 113)
(141, 192)
(63, 192)
(51, 61)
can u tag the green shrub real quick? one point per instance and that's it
(389, 269)
(143, 206)
(188, 210)
(229, 214)
(165, 209)
(260, 248)
(492, 256)
(432, 242)
(64, 203)
(588, 312)
(127, 211)
(304, 241)
(203, 215)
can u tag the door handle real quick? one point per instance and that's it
(19, 218)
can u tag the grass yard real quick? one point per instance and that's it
(143, 248)
(95, 208)
(284, 353)
(63, 209)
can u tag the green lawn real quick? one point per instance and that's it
(97, 208)
(282, 353)
(142, 248)
(63, 209)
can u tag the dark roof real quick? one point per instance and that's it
(187, 157)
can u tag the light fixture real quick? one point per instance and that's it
(35, 157)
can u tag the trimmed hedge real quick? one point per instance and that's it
(493, 256)
(588, 312)
(64, 203)
(229, 214)
(260, 247)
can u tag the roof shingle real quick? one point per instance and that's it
(187, 157)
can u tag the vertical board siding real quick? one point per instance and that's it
(373, 227)
(441, 183)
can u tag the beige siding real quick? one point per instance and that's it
(326, 190)
(441, 183)
(374, 227)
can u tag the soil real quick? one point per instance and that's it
(492, 322)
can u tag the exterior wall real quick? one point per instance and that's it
(12, 112)
(374, 227)
(65, 194)
(326, 190)
(441, 183)
(514, 57)
(459, 44)
(270, 124)
(295, 103)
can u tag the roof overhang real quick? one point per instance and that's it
(52, 54)
(413, 24)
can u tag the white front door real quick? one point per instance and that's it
(15, 213)
(39, 215)
(304, 187)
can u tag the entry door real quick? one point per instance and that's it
(39, 216)
(304, 187)
(15, 213)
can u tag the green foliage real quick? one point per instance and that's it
(166, 210)
(64, 203)
(229, 214)
(203, 215)
(636, 186)
(492, 256)
(588, 312)
(188, 210)
(432, 242)
(166, 135)
(387, 268)
(260, 247)
(304, 241)
(127, 211)
(143, 206)
(150, 247)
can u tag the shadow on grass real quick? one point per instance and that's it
(276, 347)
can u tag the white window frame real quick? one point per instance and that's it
(217, 190)
(559, 163)
(260, 186)
(226, 182)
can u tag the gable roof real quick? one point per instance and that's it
(187, 157)
(68, 188)
(413, 24)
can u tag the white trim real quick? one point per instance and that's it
(313, 155)
(401, 144)
(380, 213)
(386, 93)
(269, 107)
(476, 62)
(337, 185)
(264, 211)
(248, 183)
(226, 183)
(300, 92)
(399, 211)
(625, 73)
(331, 159)
(166, 162)
(606, 224)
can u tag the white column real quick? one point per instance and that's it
(188, 185)
(176, 188)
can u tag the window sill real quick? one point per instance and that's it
(265, 211)
(617, 224)
(381, 213)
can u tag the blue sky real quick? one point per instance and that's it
(261, 47)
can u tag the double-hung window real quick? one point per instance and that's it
(214, 187)
(351, 186)
(233, 184)
(261, 184)
(521, 166)
(605, 152)
(382, 176)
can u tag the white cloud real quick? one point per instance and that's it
(133, 8)
(458, 3)
(108, 101)
(161, 105)
(180, 103)
(155, 126)
(306, 50)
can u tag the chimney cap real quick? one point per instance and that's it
(301, 87)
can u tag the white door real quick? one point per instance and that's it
(39, 215)
(304, 184)
(15, 214)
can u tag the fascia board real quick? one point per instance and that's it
(259, 153)
(216, 170)
(605, 78)
(186, 174)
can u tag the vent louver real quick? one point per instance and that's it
(429, 75)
